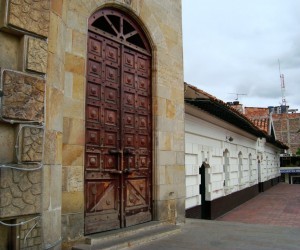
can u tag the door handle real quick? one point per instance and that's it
(115, 151)
(127, 171)
(129, 152)
(113, 171)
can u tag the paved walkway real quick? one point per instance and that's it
(270, 221)
(279, 206)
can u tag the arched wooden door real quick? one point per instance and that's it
(118, 153)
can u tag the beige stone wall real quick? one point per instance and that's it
(161, 21)
(63, 58)
(23, 60)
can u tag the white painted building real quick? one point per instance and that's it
(238, 159)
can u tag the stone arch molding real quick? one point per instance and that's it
(131, 8)
(116, 25)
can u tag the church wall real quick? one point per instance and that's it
(46, 41)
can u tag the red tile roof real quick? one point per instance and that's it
(259, 116)
(262, 123)
(217, 107)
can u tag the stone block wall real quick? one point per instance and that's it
(43, 63)
(24, 29)
(161, 21)
(23, 96)
(26, 16)
(35, 55)
(30, 144)
(30, 234)
(20, 192)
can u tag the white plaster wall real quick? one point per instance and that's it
(205, 140)
(270, 165)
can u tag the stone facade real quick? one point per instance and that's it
(20, 192)
(23, 87)
(43, 58)
(23, 96)
(30, 16)
(35, 55)
(30, 146)
(30, 235)
(168, 112)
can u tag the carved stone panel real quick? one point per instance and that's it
(31, 16)
(36, 55)
(32, 231)
(30, 144)
(20, 192)
(23, 96)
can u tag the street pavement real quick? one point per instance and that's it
(269, 221)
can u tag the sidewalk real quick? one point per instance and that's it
(269, 221)
(279, 206)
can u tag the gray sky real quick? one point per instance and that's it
(233, 46)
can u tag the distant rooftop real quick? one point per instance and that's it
(259, 116)
(227, 112)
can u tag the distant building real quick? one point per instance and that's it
(228, 160)
(284, 124)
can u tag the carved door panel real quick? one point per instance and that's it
(137, 134)
(118, 136)
(102, 161)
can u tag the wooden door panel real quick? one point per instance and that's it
(102, 176)
(129, 59)
(94, 92)
(111, 95)
(137, 202)
(92, 137)
(112, 52)
(129, 140)
(137, 137)
(110, 162)
(93, 114)
(118, 136)
(111, 74)
(94, 68)
(93, 161)
(143, 64)
(129, 99)
(143, 161)
(129, 120)
(136, 193)
(102, 205)
(143, 84)
(94, 46)
(111, 117)
(102, 196)
(143, 123)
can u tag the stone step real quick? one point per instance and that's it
(128, 237)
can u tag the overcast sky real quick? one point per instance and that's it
(233, 46)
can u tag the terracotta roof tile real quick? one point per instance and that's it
(262, 123)
(259, 116)
(253, 119)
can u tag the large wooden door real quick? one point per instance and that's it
(118, 156)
